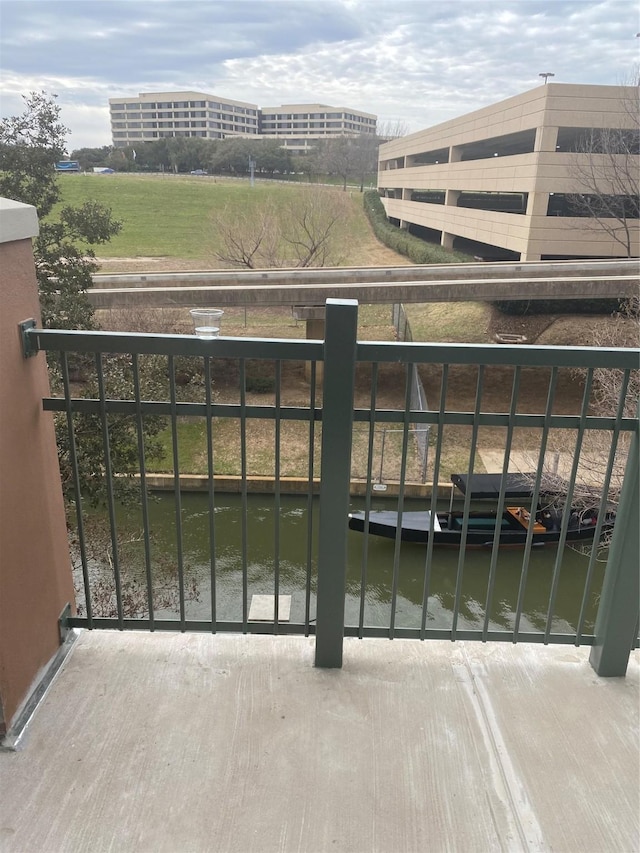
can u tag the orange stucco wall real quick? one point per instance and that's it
(35, 575)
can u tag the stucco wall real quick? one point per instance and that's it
(35, 576)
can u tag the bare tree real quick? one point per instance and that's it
(304, 232)
(355, 157)
(622, 331)
(340, 157)
(248, 237)
(606, 174)
(311, 226)
(388, 130)
(134, 594)
(613, 393)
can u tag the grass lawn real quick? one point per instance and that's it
(374, 324)
(446, 321)
(294, 449)
(169, 216)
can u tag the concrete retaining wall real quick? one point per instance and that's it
(288, 486)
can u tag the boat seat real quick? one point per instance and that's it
(522, 515)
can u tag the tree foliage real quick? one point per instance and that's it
(65, 263)
(180, 154)
(90, 157)
(30, 144)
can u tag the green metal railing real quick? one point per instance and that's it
(331, 412)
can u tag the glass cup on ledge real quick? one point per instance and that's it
(206, 321)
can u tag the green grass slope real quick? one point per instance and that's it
(170, 216)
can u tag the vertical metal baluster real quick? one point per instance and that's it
(144, 497)
(593, 557)
(500, 507)
(73, 459)
(176, 488)
(467, 502)
(434, 498)
(616, 626)
(367, 505)
(108, 471)
(553, 380)
(211, 484)
(243, 478)
(401, 491)
(312, 441)
(276, 532)
(340, 352)
(569, 500)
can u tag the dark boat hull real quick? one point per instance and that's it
(481, 528)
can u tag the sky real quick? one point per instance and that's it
(413, 63)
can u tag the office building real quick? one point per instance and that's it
(158, 115)
(301, 126)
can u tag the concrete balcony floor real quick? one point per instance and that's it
(188, 743)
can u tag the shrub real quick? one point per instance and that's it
(401, 241)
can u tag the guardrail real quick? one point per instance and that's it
(334, 424)
(368, 275)
(546, 280)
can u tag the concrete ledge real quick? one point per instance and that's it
(17, 221)
(288, 486)
(364, 275)
(294, 293)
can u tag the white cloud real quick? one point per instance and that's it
(409, 60)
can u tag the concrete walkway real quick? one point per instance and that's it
(189, 743)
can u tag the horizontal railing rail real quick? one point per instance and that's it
(349, 584)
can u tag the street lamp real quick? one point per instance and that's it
(546, 75)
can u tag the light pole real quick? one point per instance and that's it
(546, 75)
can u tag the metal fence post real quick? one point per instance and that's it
(617, 617)
(337, 420)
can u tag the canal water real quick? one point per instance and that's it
(278, 544)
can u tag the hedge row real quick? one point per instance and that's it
(404, 243)
(559, 306)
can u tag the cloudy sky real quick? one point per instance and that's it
(417, 62)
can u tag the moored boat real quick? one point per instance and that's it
(480, 528)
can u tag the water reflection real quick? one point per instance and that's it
(262, 561)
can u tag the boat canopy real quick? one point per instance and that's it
(488, 485)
